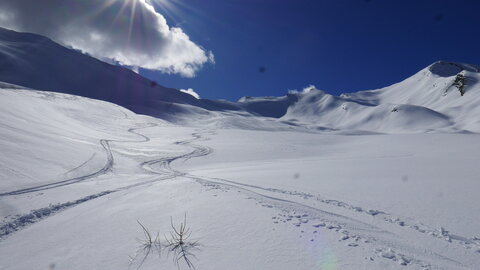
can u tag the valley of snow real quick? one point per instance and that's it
(91, 152)
(77, 174)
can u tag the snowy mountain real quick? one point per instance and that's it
(37, 62)
(304, 181)
(443, 97)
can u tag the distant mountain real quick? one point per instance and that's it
(37, 62)
(443, 97)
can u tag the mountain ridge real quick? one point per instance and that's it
(443, 96)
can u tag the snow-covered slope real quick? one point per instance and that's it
(76, 174)
(443, 97)
(37, 62)
(316, 107)
(450, 89)
(49, 136)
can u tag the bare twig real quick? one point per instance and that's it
(180, 246)
(146, 245)
(177, 243)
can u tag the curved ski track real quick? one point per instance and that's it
(107, 167)
(385, 244)
(355, 232)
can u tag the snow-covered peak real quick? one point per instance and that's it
(443, 96)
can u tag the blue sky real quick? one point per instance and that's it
(338, 46)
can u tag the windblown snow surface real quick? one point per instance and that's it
(380, 179)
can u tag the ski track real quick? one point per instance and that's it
(108, 165)
(440, 232)
(36, 215)
(106, 168)
(385, 243)
(81, 165)
(21, 221)
(354, 232)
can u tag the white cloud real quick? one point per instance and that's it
(191, 92)
(305, 90)
(129, 31)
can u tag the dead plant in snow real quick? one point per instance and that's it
(147, 245)
(179, 245)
